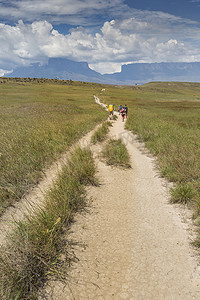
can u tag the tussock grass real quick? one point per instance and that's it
(115, 117)
(100, 134)
(33, 251)
(40, 119)
(182, 193)
(116, 154)
(82, 166)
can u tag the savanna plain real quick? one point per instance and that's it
(40, 119)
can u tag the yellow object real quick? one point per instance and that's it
(110, 107)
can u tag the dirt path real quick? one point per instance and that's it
(135, 244)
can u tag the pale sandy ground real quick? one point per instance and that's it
(135, 243)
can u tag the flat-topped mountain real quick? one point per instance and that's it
(137, 73)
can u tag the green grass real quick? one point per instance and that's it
(115, 117)
(82, 166)
(40, 119)
(34, 250)
(100, 134)
(182, 193)
(115, 153)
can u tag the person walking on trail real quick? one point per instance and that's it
(122, 111)
(120, 107)
(126, 110)
(111, 110)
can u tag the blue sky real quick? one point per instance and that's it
(104, 33)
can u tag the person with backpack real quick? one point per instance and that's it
(120, 107)
(111, 110)
(126, 110)
(122, 112)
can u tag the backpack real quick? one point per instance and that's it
(110, 107)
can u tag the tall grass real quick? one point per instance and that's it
(33, 251)
(39, 119)
(175, 140)
(116, 153)
(100, 134)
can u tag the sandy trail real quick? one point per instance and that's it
(136, 246)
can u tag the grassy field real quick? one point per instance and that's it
(166, 116)
(39, 119)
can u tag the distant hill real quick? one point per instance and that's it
(143, 72)
(60, 68)
(138, 73)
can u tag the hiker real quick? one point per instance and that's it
(111, 110)
(126, 110)
(122, 111)
(120, 107)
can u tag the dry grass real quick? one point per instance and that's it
(100, 134)
(40, 119)
(116, 154)
(33, 250)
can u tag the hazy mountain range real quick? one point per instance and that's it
(137, 73)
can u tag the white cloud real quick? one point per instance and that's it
(4, 72)
(108, 67)
(118, 42)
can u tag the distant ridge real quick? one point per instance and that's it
(130, 74)
(146, 72)
(60, 68)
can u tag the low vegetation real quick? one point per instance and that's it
(33, 251)
(182, 193)
(100, 134)
(115, 153)
(173, 135)
(82, 167)
(115, 117)
(40, 119)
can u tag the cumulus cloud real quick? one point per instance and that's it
(20, 44)
(117, 42)
(4, 72)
